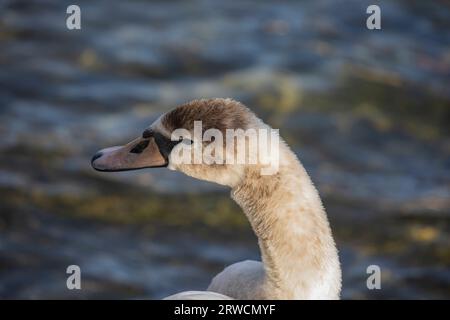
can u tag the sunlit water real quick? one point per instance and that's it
(367, 113)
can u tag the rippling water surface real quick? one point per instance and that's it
(366, 111)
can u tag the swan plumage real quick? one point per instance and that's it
(299, 256)
(198, 295)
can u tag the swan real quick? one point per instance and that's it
(298, 253)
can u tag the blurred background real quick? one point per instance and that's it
(367, 112)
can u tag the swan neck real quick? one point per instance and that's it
(297, 249)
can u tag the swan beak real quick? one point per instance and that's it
(138, 154)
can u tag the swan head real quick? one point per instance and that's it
(192, 138)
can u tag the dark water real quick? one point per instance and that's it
(366, 111)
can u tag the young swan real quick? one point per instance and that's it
(299, 256)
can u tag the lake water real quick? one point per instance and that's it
(367, 112)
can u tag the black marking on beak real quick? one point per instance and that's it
(95, 157)
(165, 145)
(148, 133)
(140, 146)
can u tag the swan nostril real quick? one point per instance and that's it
(96, 156)
(140, 146)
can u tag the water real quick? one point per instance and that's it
(367, 113)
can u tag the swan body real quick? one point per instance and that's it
(299, 256)
(198, 295)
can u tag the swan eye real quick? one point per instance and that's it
(140, 146)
